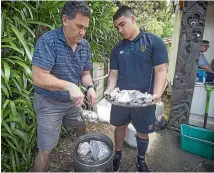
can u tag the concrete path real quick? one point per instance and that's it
(164, 152)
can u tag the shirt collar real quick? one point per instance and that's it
(139, 35)
(61, 34)
(62, 37)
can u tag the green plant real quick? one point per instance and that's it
(21, 27)
(153, 16)
(101, 33)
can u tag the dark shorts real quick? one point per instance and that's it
(143, 119)
(50, 115)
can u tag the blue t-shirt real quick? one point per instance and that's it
(135, 61)
(54, 54)
(202, 60)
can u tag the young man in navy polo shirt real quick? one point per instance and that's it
(138, 62)
(62, 59)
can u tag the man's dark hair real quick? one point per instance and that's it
(205, 42)
(72, 8)
(123, 11)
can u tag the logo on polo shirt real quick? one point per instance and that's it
(122, 51)
(143, 48)
(150, 126)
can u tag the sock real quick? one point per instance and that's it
(118, 154)
(142, 145)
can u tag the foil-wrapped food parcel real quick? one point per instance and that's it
(88, 116)
(93, 150)
(129, 98)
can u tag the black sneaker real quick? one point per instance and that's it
(141, 166)
(116, 163)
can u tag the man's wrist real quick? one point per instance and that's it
(70, 86)
(90, 86)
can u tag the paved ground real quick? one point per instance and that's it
(164, 155)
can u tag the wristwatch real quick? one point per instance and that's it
(90, 86)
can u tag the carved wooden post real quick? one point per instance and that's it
(191, 34)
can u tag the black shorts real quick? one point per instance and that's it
(143, 119)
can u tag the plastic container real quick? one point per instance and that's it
(202, 75)
(104, 165)
(198, 106)
(197, 141)
(159, 112)
(211, 105)
(210, 123)
(130, 137)
(199, 100)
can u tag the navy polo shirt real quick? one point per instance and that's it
(135, 61)
(54, 54)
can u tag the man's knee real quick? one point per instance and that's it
(121, 128)
(142, 135)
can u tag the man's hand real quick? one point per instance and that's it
(76, 95)
(107, 92)
(155, 98)
(91, 94)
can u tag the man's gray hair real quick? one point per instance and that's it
(205, 42)
(72, 8)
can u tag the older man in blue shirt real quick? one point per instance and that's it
(61, 59)
(202, 62)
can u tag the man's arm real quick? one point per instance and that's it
(44, 79)
(86, 78)
(207, 68)
(112, 80)
(160, 77)
(86, 81)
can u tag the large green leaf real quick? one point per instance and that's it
(17, 120)
(6, 103)
(14, 48)
(29, 9)
(13, 108)
(6, 72)
(4, 124)
(25, 26)
(27, 69)
(12, 157)
(8, 39)
(22, 40)
(40, 23)
(22, 134)
(8, 139)
(5, 91)
(17, 85)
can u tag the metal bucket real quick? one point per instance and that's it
(104, 165)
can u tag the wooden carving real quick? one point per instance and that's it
(191, 34)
